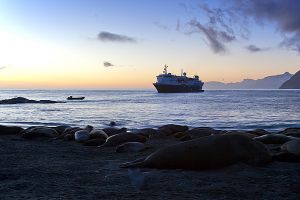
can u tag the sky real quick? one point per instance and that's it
(113, 44)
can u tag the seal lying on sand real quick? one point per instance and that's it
(113, 131)
(206, 153)
(39, 131)
(131, 147)
(121, 138)
(273, 139)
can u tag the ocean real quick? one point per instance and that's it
(272, 110)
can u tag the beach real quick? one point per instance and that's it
(44, 168)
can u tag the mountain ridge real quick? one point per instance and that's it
(293, 82)
(268, 82)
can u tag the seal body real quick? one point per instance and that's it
(39, 131)
(99, 134)
(206, 153)
(131, 147)
(273, 139)
(82, 136)
(121, 138)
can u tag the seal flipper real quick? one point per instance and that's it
(136, 163)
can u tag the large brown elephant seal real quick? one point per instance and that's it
(206, 153)
(121, 138)
(273, 139)
(199, 132)
(131, 147)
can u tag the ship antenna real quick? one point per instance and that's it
(165, 69)
(181, 72)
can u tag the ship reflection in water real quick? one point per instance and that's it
(169, 83)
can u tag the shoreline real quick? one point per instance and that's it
(47, 168)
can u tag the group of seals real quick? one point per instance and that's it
(208, 152)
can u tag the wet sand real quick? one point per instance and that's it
(57, 169)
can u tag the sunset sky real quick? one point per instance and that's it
(103, 44)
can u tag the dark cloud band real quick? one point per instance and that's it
(113, 37)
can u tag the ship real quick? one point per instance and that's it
(169, 83)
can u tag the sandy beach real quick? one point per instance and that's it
(57, 169)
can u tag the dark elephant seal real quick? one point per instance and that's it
(200, 132)
(88, 128)
(259, 132)
(131, 147)
(170, 129)
(61, 129)
(206, 153)
(290, 152)
(113, 131)
(10, 130)
(68, 133)
(273, 139)
(94, 142)
(40, 131)
(99, 134)
(121, 138)
(295, 132)
(146, 132)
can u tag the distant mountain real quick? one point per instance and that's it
(292, 83)
(269, 82)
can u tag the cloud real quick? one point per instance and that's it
(232, 21)
(3, 67)
(216, 38)
(284, 15)
(253, 48)
(108, 64)
(112, 37)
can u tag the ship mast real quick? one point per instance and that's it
(165, 69)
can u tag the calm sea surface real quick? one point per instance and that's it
(228, 109)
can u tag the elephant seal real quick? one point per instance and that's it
(258, 132)
(209, 152)
(273, 139)
(131, 147)
(88, 128)
(95, 133)
(68, 133)
(170, 129)
(61, 129)
(82, 136)
(39, 131)
(113, 131)
(10, 130)
(292, 146)
(121, 138)
(295, 132)
(290, 152)
(112, 123)
(200, 132)
(94, 142)
(146, 132)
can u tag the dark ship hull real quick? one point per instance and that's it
(182, 88)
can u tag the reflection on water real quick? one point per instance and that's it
(231, 109)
